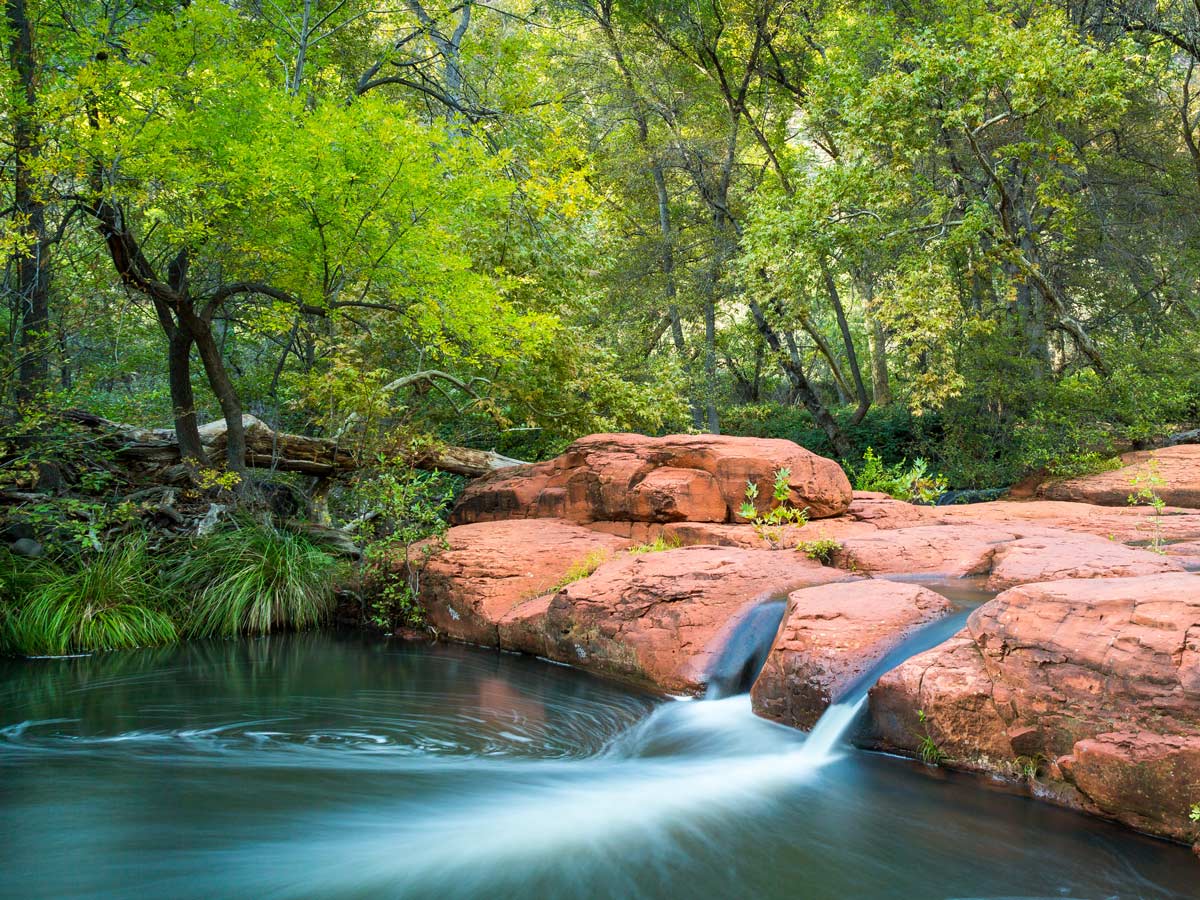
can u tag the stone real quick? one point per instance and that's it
(830, 637)
(490, 567)
(1096, 681)
(1055, 556)
(1177, 467)
(658, 619)
(634, 478)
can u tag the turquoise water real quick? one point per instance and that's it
(327, 766)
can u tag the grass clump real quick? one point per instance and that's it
(255, 579)
(660, 544)
(110, 601)
(927, 748)
(582, 568)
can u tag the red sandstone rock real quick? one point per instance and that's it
(630, 477)
(830, 636)
(1058, 555)
(951, 550)
(1128, 524)
(1178, 467)
(1098, 679)
(657, 618)
(490, 567)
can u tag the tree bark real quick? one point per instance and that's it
(800, 385)
(32, 261)
(860, 390)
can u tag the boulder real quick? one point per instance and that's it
(830, 637)
(1177, 467)
(1059, 555)
(1094, 683)
(658, 619)
(490, 567)
(634, 478)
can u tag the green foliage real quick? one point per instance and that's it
(1029, 767)
(409, 525)
(902, 481)
(1146, 486)
(660, 544)
(1195, 813)
(770, 518)
(927, 747)
(822, 550)
(581, 569)
(254, 579)
(110, 601)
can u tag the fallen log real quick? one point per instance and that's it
(279, 451)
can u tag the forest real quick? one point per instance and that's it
(297, 254)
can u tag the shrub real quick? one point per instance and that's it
(255, 579)
(901, 481)
(109, 602)
(409, 525)
(822, 550)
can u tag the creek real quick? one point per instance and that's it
(333, 766)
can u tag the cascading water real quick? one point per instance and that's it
(310, 766)
(745, 652)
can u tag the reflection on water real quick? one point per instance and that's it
(319, 766)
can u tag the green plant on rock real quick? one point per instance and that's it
(1030, 767)
(927, 748)
(1146, 488)
(1195, 813)
(822, 550)
(660, 544)
(255, 579)
(914, 483)
(769, 524)
(582, 568)
(107, 601)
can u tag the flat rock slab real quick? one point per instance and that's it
(678, 478)
(1177, 467)
(659, 619)
(1058, 555)
(830, 637)
(1094, 682)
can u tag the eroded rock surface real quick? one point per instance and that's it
(1095, 683)
(830, 637)
(678, 478)
(490, 567)
(657, 618)
(1178, 468)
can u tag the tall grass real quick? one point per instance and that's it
(253, 580)
(110, 602)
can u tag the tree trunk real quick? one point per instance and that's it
(31, 262)
(880, 384)
(225, 392)
(183, 402)
(800, 385)
(710, 363)
(864, 401)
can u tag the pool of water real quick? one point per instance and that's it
(332, 766)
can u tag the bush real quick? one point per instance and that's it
(255, 579)
(901, 481)
(109, 602)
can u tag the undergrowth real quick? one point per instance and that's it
(110, 602)
(255, 579)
